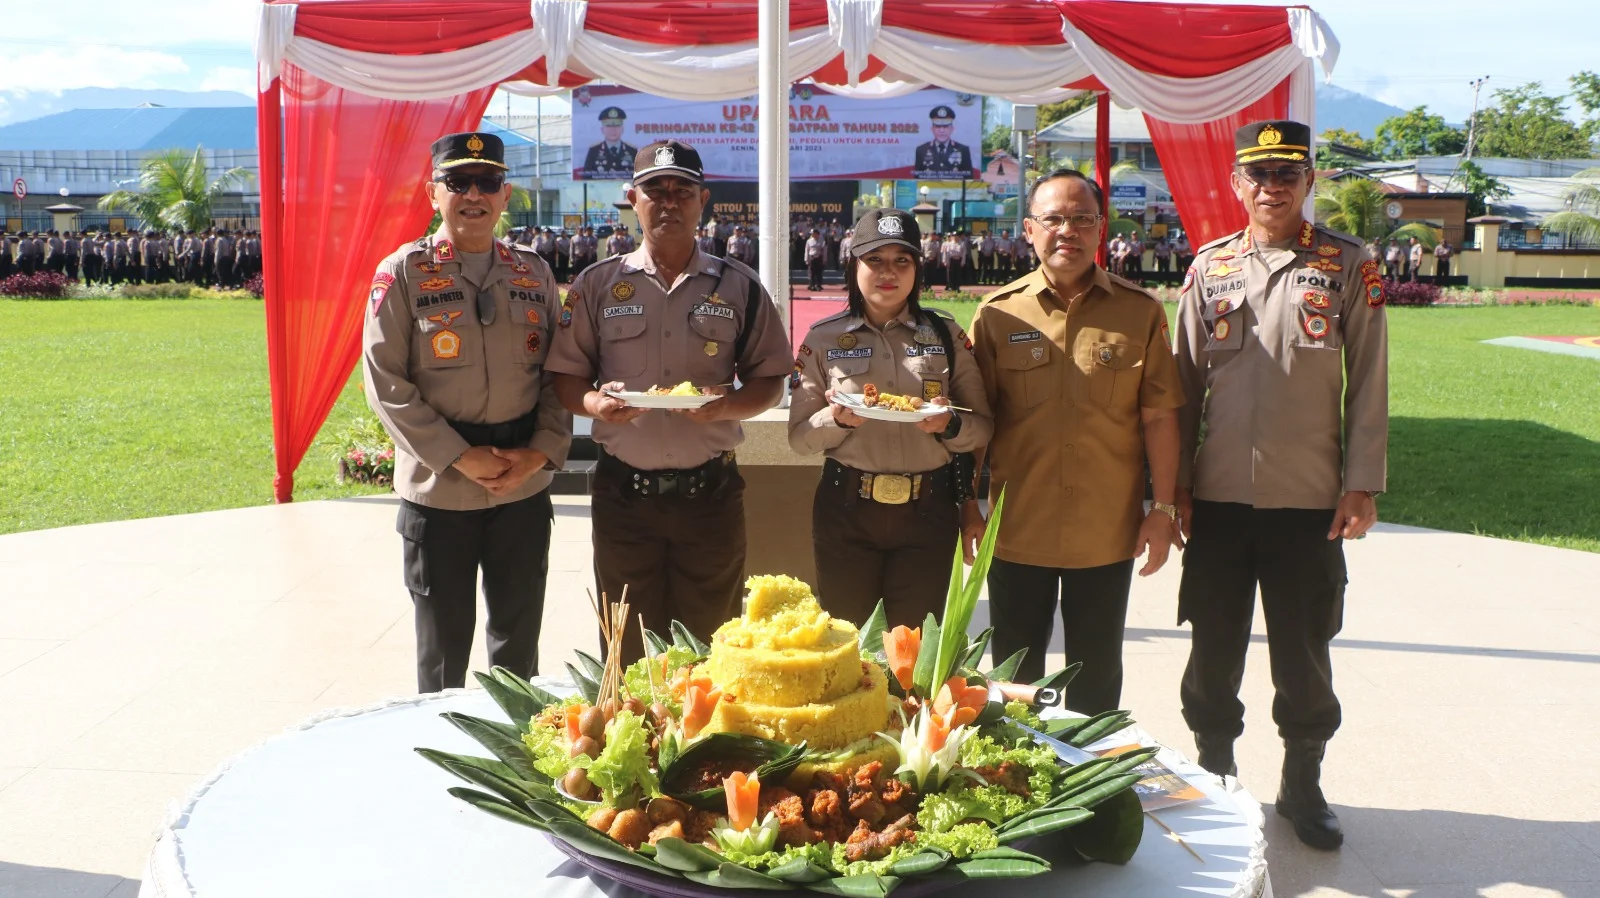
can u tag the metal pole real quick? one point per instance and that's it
(538, 156)
(1022, 191)
(773, 147)
(1472, 124)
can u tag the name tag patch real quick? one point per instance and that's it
(1025, 337)
(437, 299)
(614, 311)
(861, 352)
(913, 351)
(716, 311)
(1233, 286)
(526, 296)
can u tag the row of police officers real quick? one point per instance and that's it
(1258, 425)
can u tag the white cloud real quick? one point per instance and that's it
(179, 24)
(230, 78)
(54, 69)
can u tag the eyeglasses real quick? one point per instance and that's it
(1288, 176)
(460, 182)
(1081, 221)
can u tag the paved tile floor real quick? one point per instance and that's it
(136, 656)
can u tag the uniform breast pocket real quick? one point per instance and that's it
(1226, 329)
(534, 320)
(443, 342)
(933, 373)
(1027, 376)
(1316, 323)
(849, 375)
(713, 330)
(623, 352)
(1114, 374)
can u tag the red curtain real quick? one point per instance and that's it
(399, 27)
(1197, 160)
(1010, 22)
(678, 23)
(1183, 41)
(353, 170)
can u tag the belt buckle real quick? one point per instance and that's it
(666, 484)
(891, 489)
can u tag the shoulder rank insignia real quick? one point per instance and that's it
(1223, 255)
(1308, 233)
(439, 283)
(521, 268)
(526, 283)
(1325, 265)
(1222, 270)
(504, 252)
(444, 251)
(1329, 251)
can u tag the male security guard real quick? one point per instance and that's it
(457, 331)
(668, 501)
(943, 156)
(613, 156)
(1280, 327)
(1080, 378)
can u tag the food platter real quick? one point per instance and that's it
(856, 403)
(660, 400)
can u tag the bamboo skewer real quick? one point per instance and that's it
(1173, 834)
(613, 618)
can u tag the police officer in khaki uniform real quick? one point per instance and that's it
(887, 511)
(668, 501)
(457, 331)
(1079, 371)
(1283, 351)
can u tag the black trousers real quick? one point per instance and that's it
(681, 557)
(1301, 573)
(815, 267)
(444, 551)
(1094, 609)
(866, 551)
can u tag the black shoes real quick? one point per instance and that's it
(1216, 754)
(1300, 796)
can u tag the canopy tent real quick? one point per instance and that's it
(353, 91)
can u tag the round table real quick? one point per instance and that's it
(341, 806)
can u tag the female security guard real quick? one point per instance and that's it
(886, 515)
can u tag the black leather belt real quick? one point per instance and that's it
(690, 482)
(511, 434)
(888, 489)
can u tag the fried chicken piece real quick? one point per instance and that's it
(867, 776)
(866, 845)
(699, 825)
(1011, 776)
(865, 807)
(797, 834)
(670, 829)
(869, 395)
(825, 780)
(898, 798)
(827, 815)
(788, 806)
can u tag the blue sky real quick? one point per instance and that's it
(1404, 52)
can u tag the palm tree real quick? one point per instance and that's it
(175, 191)
(1356, 206)
(1581, 221)
(1085, 168)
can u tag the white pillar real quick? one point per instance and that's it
(773, 192)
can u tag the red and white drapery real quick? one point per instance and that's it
(352, 92)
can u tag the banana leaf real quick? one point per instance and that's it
(1043, 823)
(497, 807)
(1082, 773)
(686, 857)
(962, 599)
(927, 657)
(976, 649)
(1002, 863)
(682, 638)
(1008, 668)
(870, 637)
(922, 863)
(777, 761)
(1129, 760)
(502, 740)
(799, 870)
(592, 668)
(1114, 833)
(540, 696)
(519, 706)
(589, 689)
(865, 885)
(1060, 678)
(1096, 791)
(547, 810)
(733, 876)
(1096, 731)
(653, 644)
(594, 842)
(490, 774)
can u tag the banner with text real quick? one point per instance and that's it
(933, 133)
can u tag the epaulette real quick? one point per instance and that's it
(1130, 286)
(1219, 242)
(1340, 235)
(836, 316)
(942, 313)
(740, 267)
(1006, 291)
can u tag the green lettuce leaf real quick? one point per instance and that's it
(625, 761)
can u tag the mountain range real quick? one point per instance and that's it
(1336, 106)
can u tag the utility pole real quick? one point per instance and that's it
(1472, 124)
(538, 160)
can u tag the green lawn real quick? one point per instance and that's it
(123, 409)
(1488, 439)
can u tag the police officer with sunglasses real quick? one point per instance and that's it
(458, 325)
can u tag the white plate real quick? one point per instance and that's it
(646, 400)
(854, 402)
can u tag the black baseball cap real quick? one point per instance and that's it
(881, 227)
(668, 157)
(468, 148)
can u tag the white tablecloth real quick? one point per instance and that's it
(342, 807)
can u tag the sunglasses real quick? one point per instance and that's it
(460, 182)
(1288, 176)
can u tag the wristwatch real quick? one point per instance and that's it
(1170, 511)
